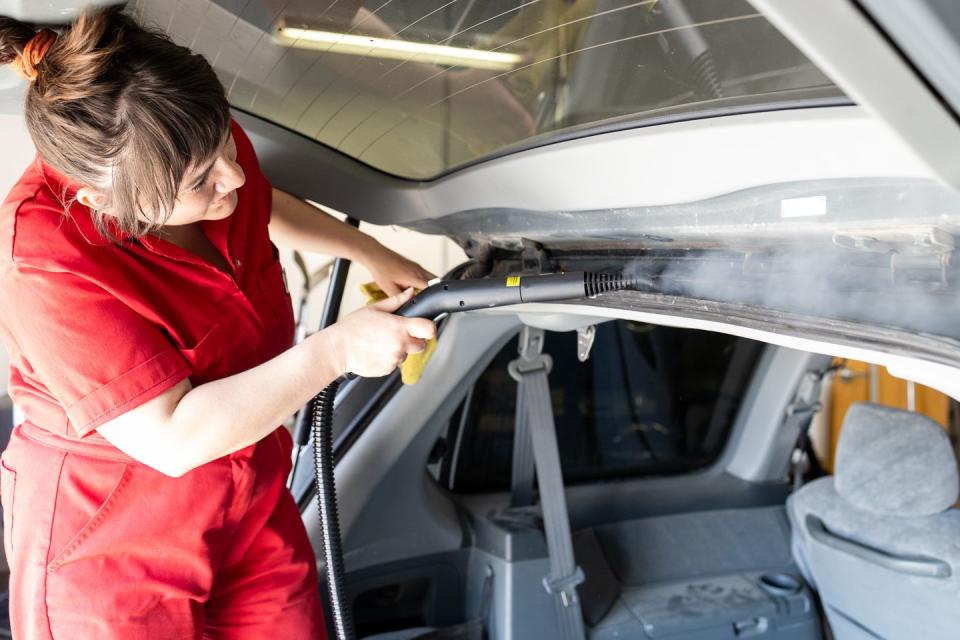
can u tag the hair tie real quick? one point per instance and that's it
(26, 63)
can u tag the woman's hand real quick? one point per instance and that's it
(393, 272)
(372, 342)
(294, 224)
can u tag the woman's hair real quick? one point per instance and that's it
(122, 109)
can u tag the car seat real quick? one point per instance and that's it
(880, 540)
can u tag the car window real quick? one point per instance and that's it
(649, 401)
(418, 88)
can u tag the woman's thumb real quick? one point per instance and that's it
(394, 302)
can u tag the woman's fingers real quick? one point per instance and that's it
(420, 278)
(372, 342)
(416, 345)
(390, 288)
(394, 302)
(421, 328)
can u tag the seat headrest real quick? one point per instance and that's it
(895, 462)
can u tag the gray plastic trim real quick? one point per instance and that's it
(763, 412)
(394, 447)
(310, 170)
(862, 62)
(922, 566)
(49, 11)
(929, 32)
(924, 359)
(623, 169)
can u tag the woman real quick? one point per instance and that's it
(149, 329)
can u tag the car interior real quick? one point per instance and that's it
(690, 516)
(764, 446)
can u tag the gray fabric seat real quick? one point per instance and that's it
(880, 540)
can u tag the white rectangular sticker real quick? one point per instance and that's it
(803, 207)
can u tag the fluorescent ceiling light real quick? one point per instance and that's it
(352, 44)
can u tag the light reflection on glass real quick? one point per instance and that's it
(417, 88)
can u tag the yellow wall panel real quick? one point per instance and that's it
(853, 384)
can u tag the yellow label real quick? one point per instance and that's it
(513, 281)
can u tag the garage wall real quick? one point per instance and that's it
(437, 254)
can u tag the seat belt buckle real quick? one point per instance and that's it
(803, 409)
(520, 367)
(565, 586)
(532, 358)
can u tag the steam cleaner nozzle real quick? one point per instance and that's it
(467, 295)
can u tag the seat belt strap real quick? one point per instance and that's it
(522, 472)
(530, 371)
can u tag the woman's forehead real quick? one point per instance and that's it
(197, 169)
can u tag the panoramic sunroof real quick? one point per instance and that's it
(417, 88)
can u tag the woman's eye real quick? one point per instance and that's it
(199, 187)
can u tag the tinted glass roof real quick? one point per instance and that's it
(417, 88)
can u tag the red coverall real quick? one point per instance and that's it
(99, 545)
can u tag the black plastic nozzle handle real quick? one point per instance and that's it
(468, 295)
(459, 295)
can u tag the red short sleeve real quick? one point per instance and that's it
(95, 357)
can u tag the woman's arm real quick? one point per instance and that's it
(186, 426)
(295, 224)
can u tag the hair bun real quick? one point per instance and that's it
(25, 65)
(14, 36)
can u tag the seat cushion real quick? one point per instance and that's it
(936, 536)
(860, 595)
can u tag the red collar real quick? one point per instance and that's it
(65, 191)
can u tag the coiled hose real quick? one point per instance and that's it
(596, 283)
(706, 79)
(321, 410)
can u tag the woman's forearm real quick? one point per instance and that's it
(296, 224)
(187, 427)
(242, 409)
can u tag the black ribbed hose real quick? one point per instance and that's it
(321, 411)
(596, 283)
(706, 79)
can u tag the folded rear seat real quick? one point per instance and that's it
(692, 576)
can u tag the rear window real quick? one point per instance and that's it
(420, 87)
(650, 401)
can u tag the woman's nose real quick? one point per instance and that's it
(231, 176)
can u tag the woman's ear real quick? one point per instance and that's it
(91, 198)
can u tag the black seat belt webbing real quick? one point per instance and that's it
(530, 371)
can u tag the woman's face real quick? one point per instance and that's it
(209, 191)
